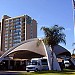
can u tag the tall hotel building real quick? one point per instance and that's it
(17, 29)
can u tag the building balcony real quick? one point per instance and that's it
(23, 27)
(23, 31)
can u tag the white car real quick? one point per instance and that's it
(37, 64)
(66, 63)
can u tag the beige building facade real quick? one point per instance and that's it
(17, 29)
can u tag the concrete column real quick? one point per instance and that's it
(14, 63)
(8, 64)
(49, 58)
(21, 62)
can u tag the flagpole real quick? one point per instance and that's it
(73, 7)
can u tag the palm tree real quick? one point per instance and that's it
(53, 36)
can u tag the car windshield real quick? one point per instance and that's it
(33, 63)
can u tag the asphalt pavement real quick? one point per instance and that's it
(11, 72)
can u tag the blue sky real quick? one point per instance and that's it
(46, 12)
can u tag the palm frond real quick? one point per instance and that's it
(38, 42)
(73, 44)
(54, 35)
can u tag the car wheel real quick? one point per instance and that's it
(36, 70)
(27, 70)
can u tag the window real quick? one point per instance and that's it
(10, 44)
(14, 44)
(10, 34)
(18, 30)
(31, 35)
(6, 21)
(6, 28)
(7, 24)
(6, 45)
(6, 38)
(19, 33)
(16, 41)
(44, 62)
(6, 41)
(28, 20)
(6, 34)
(10, 20)
(18, 26)
(20, 19)
(17, 19)
(14, 26)
(17, 23)
(17, 37)
(5, 49)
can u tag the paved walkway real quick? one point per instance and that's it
(11, 72)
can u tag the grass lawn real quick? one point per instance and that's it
(65, 72)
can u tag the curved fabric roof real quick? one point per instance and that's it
(61, 51)
(28, 49)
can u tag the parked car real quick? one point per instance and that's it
(66, 63)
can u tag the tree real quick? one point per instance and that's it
(53, 36)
